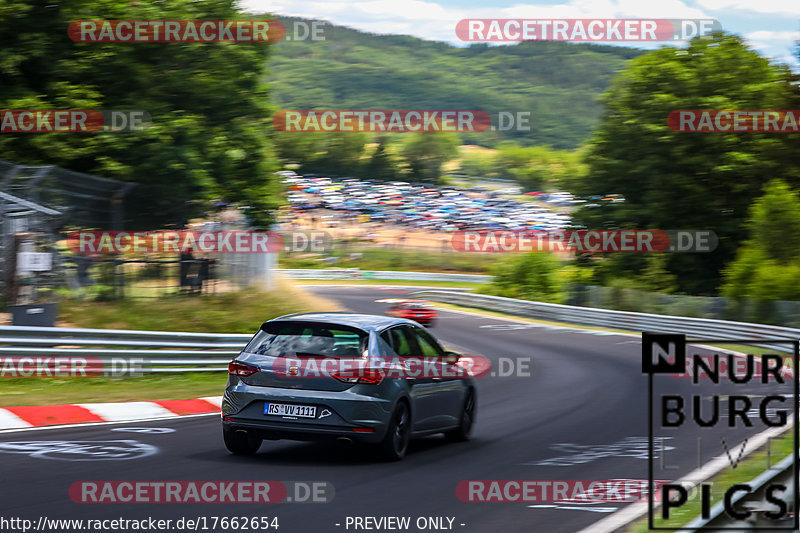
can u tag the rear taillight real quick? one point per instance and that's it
(237, 368)
(364, 375)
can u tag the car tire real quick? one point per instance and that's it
(464, 430)
(395, 443)
(240, 442)
(430, 324)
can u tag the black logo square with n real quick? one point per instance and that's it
(663, 353)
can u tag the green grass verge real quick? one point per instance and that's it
(235, 312)
(745, 471)
(397, 259)
(54, 391)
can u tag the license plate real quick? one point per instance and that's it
(283, 409)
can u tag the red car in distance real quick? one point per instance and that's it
(417, 310)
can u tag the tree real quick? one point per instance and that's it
(529, 276)
(676, 180)
(774, 223)
(477, 164)
(209, 107)
(558, 83)
(341, 154)
(332, 154)
(766, 266)
(298, 148)
(425, 153)
(382, 165)
(535, 167)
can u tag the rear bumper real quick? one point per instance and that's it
(308, 432)
(339, 413)
(422, 319)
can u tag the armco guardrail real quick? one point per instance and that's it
(355, 273)
(155, 351)
(166, 351)
(606, 318)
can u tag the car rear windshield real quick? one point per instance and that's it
(308, 339)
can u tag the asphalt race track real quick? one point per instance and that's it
(580, 414)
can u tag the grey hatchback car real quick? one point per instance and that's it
(320, 376)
